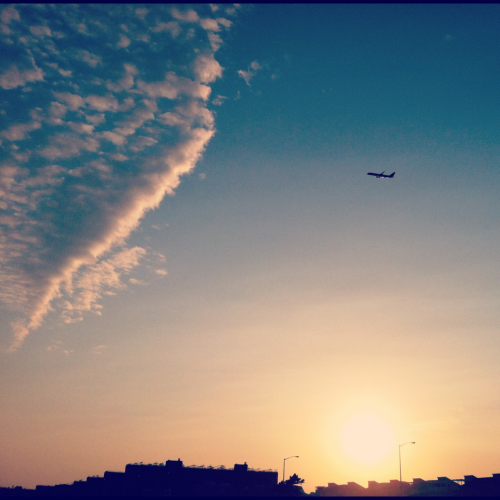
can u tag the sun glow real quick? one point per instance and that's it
(367, 438)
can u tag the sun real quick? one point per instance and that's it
(367, 438)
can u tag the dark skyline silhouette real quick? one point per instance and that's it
(174, 479)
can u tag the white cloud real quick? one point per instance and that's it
(134, 281)
(19, 132)
(209, 24)
(40, 31)
(13, 78)
(141, 142)
(91, 59)
(67, 146)
(172, 27)
(127, 82)
(173, 86)
(141, 12)
(102, 103)
(207, 69)
(187, 116)
(81, 128)
(127, 104)
(81, 28)
(96, 118)
(246, 75)
(99, 349)
(215, 41)
(124, 41)
(188, 15)
(225, 22)
(172, 119)
(73, 101)
(49, 175)
(87, 288)
(9, 14)
(219, 100)
(70, 201)
(118, 157)
(137, 120)
(250, 73)
(116, 139)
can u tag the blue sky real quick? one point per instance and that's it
(190, 245)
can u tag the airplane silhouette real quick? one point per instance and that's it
(382, 176)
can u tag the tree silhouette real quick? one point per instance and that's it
(292, 480)
(290, 488)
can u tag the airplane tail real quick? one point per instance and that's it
(392, 175)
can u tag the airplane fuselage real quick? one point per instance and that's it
(382, 175)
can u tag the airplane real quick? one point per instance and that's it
(382, 176)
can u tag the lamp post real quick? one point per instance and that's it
(284, 460)
(400, 483)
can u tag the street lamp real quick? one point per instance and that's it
(400, 483)
(284, 460)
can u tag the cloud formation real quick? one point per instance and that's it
(13, 78)
(251, 72)
(96, 137)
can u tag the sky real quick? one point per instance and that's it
(194, 263)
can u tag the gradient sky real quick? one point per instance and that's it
(194, 263)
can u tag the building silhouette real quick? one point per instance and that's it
(481, 486)
(470, 486)
(172, 478)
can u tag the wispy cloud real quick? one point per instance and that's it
(250, 73)
(99, 349)
(104, 135)
(219, 100)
